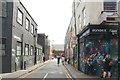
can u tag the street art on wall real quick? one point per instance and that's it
(98, 48)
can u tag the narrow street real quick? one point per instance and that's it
(83, 33)
(51, 70)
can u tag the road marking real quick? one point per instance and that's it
(27, 74)
(45, 76)
(0, 77)
(67, 74)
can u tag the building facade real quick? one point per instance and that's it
(96, 25)
(45, 43)
(18, 42)
(58, 49)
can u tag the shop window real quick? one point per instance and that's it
(2, 46)
(26, 49)
(20, 17)
(19, 49)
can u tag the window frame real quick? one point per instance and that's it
(31, 52)
(20, 43)
(27, 25)
(3, 42)
(19, 11)
(32, 29)
(26, 46)
(84, 17)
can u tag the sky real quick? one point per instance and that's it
(52, 16)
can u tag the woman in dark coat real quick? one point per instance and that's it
(107, 66)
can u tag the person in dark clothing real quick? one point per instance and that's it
(58, 59)
(44, 59)
(65, 60)
(107, 66)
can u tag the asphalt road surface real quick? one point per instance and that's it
(50, 71)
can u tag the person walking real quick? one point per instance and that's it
(43, 58)
(58, 59)
(107, 66)
(63, 60)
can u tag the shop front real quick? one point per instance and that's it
(97, 41)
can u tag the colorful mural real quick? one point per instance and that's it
(98, 48)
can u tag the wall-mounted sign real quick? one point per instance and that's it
(16, 37)
(113, 32)
(99, 30)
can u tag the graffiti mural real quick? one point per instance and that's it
(98, 48)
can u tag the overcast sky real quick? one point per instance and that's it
(52, 16)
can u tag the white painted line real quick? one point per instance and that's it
(45, 76)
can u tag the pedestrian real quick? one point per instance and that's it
(58, 59)
(68, 60)
(63, 60)
(43, 58)
(107, 66)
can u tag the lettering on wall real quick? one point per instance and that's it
(99, 30)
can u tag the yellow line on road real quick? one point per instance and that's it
(67, 74)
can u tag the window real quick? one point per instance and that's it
(26, 49)
(84, 17)
(37, 51)
(19, 49)
(40, 51)
(79, 19)
(3, 8)
(27, 24)
(32, 29)
(2, 46)
(31, 50)
(79, 22)
(110, 6)
(20, 17)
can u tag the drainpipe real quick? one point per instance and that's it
(22, 53)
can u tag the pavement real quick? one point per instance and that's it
(20, 73)
(78, 75)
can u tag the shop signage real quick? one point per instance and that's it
(16, 37)
(114, 32)
(104, 31)
(99, 30)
